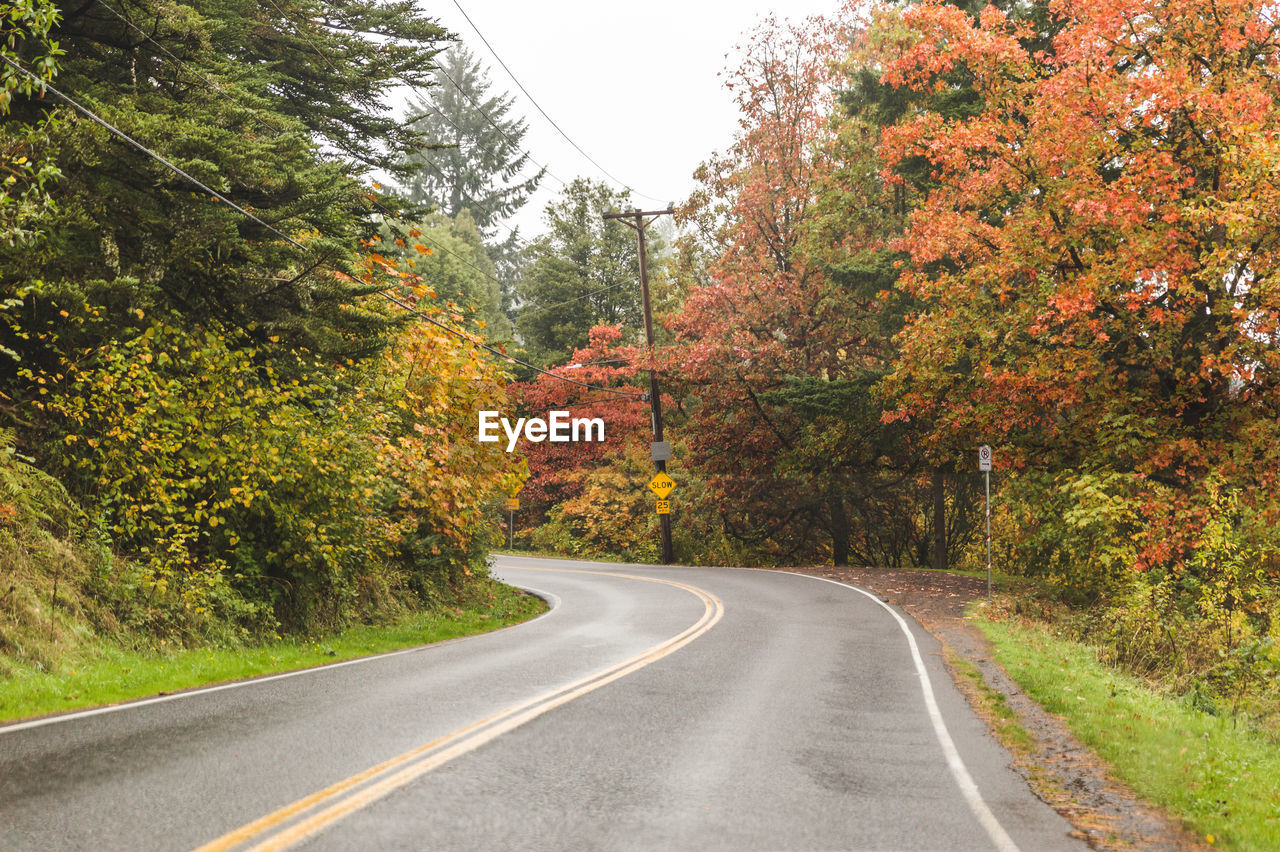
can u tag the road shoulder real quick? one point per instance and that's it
(1062, 771)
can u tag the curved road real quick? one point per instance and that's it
(651, 708)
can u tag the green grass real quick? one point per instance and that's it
(992, 704)
(108, 675)
(1220, 777)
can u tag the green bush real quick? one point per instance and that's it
(1077, 531)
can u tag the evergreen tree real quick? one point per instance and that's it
(279, 106)
(581, 274)
(470, 156)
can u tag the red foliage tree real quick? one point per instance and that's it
(554, 468)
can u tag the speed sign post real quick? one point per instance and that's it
(984, 465)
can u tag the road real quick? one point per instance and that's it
(651, 708)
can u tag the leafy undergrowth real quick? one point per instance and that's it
(97, 673)
(1214, 772)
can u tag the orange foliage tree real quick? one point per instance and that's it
(1097, 249)
(778, 347)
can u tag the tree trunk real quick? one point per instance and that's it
(939, 521)
(839, 532)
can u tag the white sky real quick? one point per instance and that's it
(634, 84)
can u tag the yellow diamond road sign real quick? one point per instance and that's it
(662, 485)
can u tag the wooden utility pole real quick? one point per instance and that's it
(639, 220)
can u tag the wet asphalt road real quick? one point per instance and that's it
(736, 710)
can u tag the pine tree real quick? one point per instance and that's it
(471, 157)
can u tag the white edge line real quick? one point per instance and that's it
(552, 601)
(955, 763)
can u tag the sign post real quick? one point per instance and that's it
(513, 503)
(984, 465)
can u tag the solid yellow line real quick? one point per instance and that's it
(271, 820)
(458, 742)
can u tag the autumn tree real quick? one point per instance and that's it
(28, 59)
(1095, 253)
(260, 437)
(769, 346)
(448, 255)
(599, 380)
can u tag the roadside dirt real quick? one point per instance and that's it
(1062, 771)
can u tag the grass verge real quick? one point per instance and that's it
(108, 675)
(990, 704)
(1221, 778)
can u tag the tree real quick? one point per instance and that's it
(605, 362)
(454, 264)
(583, 273)
(1095, 253)
(256, 433)
(24, 167)
(279, 106)
(778, 348)
(470, 156)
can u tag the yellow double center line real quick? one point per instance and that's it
(309, 815)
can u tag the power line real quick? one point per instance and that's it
(478, 344)
(443, 73)
(217, 195)
(216, 89)
(538, 106)
(565, 405)
(298, 31)
(539, 308)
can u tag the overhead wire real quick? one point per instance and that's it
(533, 308)
(549, 119)
(215, 88)
(212, 84)
(540, 308)
(298, 31)
(497, 127)
(95, 118)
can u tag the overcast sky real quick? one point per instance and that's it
(634, 84)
